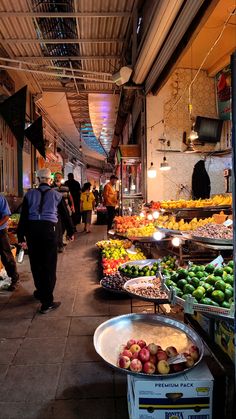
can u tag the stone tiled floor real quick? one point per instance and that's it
(48, 366)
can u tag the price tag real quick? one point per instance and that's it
(218, 262)
(228, 223)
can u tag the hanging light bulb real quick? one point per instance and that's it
(164, 165)
(193, 134)
(152, 171)
(80, 148)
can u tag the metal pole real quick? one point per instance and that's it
(233, 76)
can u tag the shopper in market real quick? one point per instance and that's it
(96, 195)
(75, 191)
(87, 205)
(7, 257)
(37, 225)
(110, 196)
(67, 197)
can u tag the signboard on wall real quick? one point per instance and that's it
(223, 91)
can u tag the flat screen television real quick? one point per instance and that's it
(208, 129)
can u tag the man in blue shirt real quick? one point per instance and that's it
(7, 258)
(37, 225)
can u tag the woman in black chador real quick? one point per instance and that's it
(201, 184)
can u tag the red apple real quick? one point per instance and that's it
(161, 355)
(141, 343)
(194, 352)
(171, 351)
(131, 342)
(189, 361)
(149, 368)
(163, 367)
(127, 353)
(135, 355)
(153, 359)
(134, 348)
(153, 348)
(178, 367)
(136, 365)
(124, 362)
(144, 355)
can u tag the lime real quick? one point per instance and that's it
(209, 290)
(174, 277)
(218, 271)
(198, 294)
(229, 279)
(228, 270)
(152, 273)
(226, 304)
(214, 303)
(170, 283)
(206, 285)
(220, 285)
(218, 296)
(200, 274)
(229, 287)
(210, 268)
(178, 291)
(210, 279)
(188, 289)
(206, 300)
(181, 283)
(195, 281)
(185, 296)
(228, 294)
(182, 273)
(191, 274)
(147, 273)
(231, 264)
(201, 288)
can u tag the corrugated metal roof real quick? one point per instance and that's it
(95, 28)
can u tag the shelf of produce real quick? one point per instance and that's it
(111, 336)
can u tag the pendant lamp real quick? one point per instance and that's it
(152, 171)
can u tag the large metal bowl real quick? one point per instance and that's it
(111, 335)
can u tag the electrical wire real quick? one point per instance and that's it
(232, 13)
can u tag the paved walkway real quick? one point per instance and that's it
(48, 366)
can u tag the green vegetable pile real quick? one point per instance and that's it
(207, 284)
(167, 264)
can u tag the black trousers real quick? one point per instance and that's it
(60, 230)
(7, 258)
(42, 247)
(111, 212)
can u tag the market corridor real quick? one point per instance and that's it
(48, 366)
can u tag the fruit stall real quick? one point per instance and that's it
(185, 263)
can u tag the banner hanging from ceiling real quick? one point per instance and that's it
(13, 112)
(34, 133)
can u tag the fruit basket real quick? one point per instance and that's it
(134, 269)
(110, 336)
(147, 288)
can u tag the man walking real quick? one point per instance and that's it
(110, 200)
(37, 224)
(7, 258)
(75, 190)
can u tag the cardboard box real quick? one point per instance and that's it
(224, 337)
(186, 396)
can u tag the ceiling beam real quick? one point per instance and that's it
(69, 57)
(60, 41)
(62, 89)
(50, 15)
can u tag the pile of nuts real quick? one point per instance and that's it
(148, 288)
(214, 231)
(114, 282)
